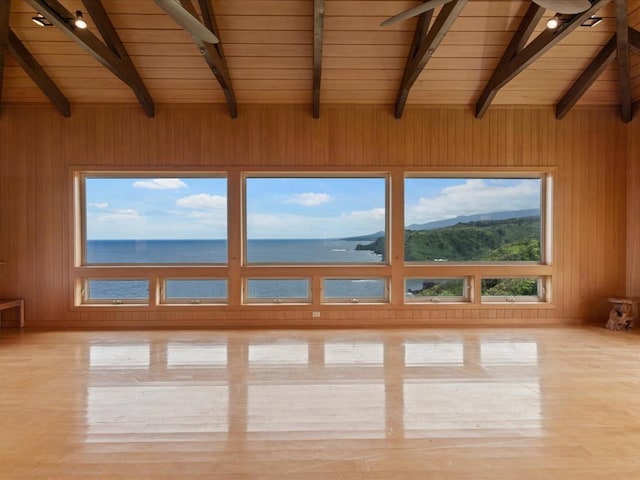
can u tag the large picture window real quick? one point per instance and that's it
(315, 220)
(473, 219)
(154, 220)
(312, 241)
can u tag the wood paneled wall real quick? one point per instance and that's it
(589, 149)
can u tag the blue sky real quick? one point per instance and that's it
(195, 208)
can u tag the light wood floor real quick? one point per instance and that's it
(545, 403)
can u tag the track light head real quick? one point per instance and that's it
(39, 20)
(79, 21)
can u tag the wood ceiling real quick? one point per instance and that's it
(268, 48)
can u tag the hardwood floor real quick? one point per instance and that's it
(543, 403)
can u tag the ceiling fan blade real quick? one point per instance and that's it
(187, 21)
(415, 11)
(564, 6)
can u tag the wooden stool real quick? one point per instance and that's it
(13, 303)
(621, 316)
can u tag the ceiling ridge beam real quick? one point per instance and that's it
(518, 41)
(112, 39)
(318, 39)
(534, 50)
(624, 69)
(214, 57)
(419, 38)
(448, 14)
(606, 55)
(30, 65)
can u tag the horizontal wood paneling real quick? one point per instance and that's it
(37, 148)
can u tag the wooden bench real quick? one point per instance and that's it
(13, 303)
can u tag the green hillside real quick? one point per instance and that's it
(514, 239)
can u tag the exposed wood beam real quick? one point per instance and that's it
(419, 39)
(624, 70)
(58, 15)
(112, 39)
(213, 54)
(421, 57)
(318, 35)
(38, 75)
(634, 41)
(584, 81)
(4, 38)
(518, 41)
(529, 54)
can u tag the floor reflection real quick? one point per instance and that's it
(119, 356)
(312, 387)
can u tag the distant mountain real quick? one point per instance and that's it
(511, 239)
(533, 212)
(478, 217)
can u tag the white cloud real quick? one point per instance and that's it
(202, 201)
(374, 214)
(309, 199)
(161, 184)
(261, 225)
(475, 196)
(126, 214)
(98, 204)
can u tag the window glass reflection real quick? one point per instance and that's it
(345, 353)
(433, 353)
(432, 407)
(193, 355)
(278, 354)
(318, 410)
(156, 409)
(119, 356)
(508, 353)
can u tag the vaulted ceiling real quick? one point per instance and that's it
(479, 54)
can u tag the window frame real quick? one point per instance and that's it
(80, 221)
(546, 203)
(385, 176)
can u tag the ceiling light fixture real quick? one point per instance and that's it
(592, 21)
(553, 22)
(41, 21)
(79, 21)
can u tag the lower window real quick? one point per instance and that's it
(355, 290)
(514, 289)
(436, 290)
(115, 292)
(277, 290)
(194, 291)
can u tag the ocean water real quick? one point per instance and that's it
(133, 252)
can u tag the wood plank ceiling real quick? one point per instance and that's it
(322, 52)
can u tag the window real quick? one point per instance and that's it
(278, 290)
(154, 220)
(355, 290)
(206, 240)
(516, 289)
(115, 292)
(436, 290)
(473, 219)
(195, 291)
(315, 220)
